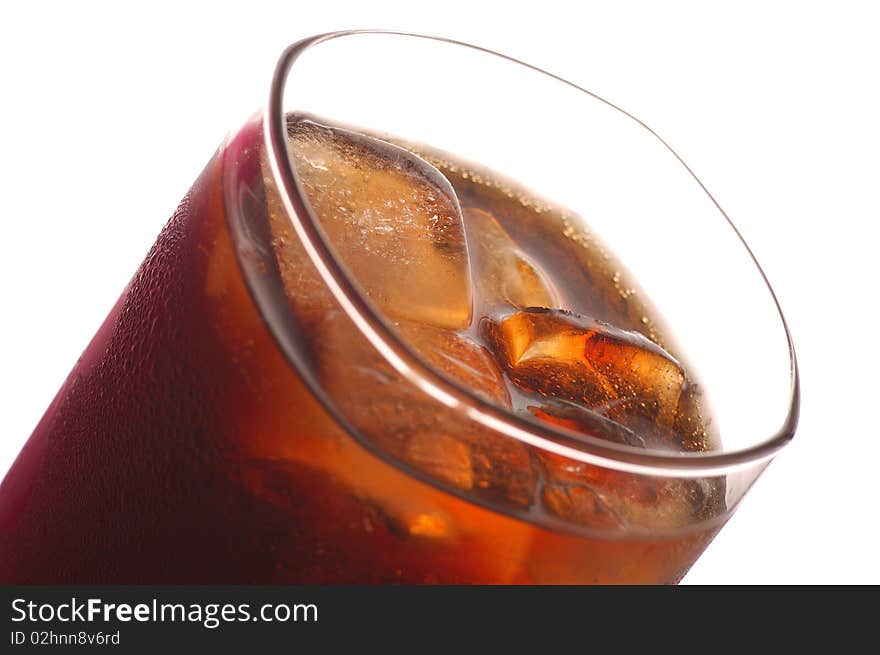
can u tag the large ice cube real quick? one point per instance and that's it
(393, 219)
(619, 374)
(502, 272)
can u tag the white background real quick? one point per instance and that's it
(108, 114)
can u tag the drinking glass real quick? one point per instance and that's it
(248, 413)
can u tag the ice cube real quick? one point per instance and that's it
(502, 272)
(693, 421)
(393, 219)
(597, 497)
(579, 419)
(619, 374)
(580, 505)
(458, 358)
(405, 423)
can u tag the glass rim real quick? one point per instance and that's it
(457, 397)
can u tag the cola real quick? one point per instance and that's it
(185, 447)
